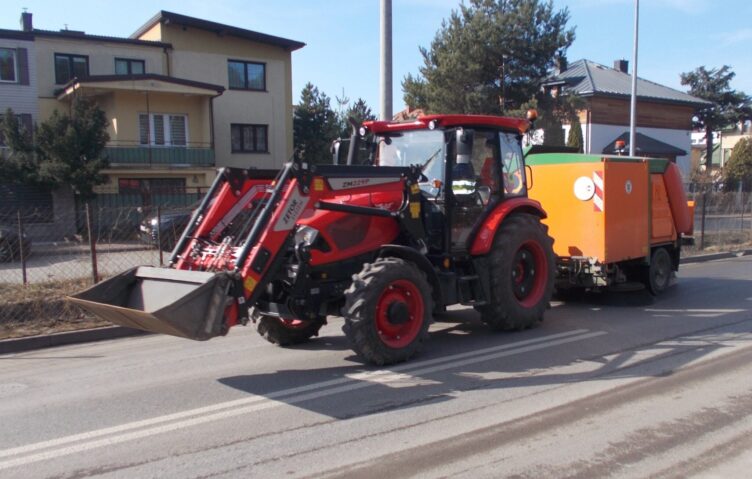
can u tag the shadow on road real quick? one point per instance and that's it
(463, 356)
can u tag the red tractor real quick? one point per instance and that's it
(425, 214)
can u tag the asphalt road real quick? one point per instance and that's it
(616, 385)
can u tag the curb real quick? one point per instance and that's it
(714, 256)
(17, 345)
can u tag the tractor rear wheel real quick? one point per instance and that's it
(522, 274)
(283, 332)
(387, 311)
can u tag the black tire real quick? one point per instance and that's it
(658, 274)
(388, 309)
(286, 333)
(522, 267)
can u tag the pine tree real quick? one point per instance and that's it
(360, 112)
(738, 170)
(315, 126)
(71, 149)
(64, 149)
(727, 106)
(489, 57)
(574, 139)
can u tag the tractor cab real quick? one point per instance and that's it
(469, 165)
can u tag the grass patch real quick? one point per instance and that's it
(41, 308)
(720, 242)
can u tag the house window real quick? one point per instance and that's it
(126, 66)
(160, 129)
(246, 75)
(8, 65)
(249, 138)
(69, 66)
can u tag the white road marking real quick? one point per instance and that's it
(695, 313)
(238, 407)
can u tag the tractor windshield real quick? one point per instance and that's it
(425, 148)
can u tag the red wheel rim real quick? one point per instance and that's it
(399, 313)
(293, 323)
(529, 273)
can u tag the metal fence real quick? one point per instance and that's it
(46, 256)
(723, 220)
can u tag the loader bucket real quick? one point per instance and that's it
(189, 304)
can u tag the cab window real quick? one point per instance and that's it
(513, 169)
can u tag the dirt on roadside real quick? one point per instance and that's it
(41, 308)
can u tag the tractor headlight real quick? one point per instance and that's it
(311, 238)
(306, 235)
(153, 222)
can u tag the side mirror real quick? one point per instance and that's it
(528, 177)
(485, 194)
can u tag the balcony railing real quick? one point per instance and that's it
(160, 156)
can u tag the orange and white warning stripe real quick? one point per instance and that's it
(598, 196)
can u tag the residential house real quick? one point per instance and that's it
(253, 117)
(182, 96)
(18, 92)
(664, 115)
(724, 142)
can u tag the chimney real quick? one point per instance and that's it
(622, 66)
(26, 24)
(560, 64)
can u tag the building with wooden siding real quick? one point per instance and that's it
(664, 115)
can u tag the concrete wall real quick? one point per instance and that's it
(202, 56)
(21, 98)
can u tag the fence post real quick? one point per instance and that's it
(702, 220)
(21, 251)
(159, 235)
(92, 246)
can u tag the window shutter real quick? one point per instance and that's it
(22, 58)
(177, 130)
(159, 130)
(143, 129)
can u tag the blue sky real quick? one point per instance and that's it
(342, 52)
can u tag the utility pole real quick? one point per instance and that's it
(633, 106)
(386, 60)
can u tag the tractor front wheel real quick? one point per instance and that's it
(387, 311)
(522, 274)
(283, 332)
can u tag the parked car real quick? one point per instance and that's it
(10, 245)
(167, 229)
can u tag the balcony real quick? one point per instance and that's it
(160, 156)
